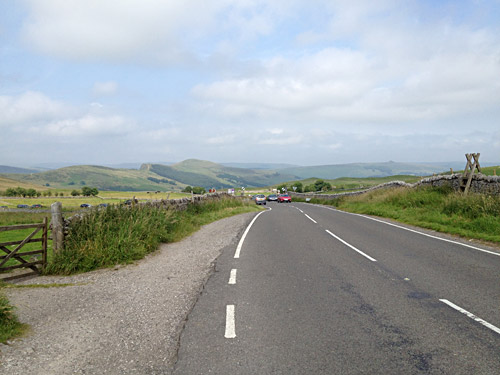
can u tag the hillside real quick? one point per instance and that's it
(207, 174)
(7, 169)
(103, 178)
(7, 183)
(365, 170)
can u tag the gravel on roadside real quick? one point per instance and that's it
(123, 320)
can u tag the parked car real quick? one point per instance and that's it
(129, 202)
(260, 199)
(85, 205)
(284, 198)
(103, 205)
(272, 198)
(22, 206)
(36, 206)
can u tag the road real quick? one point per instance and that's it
(312, 290)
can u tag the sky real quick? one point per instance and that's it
(250, 81)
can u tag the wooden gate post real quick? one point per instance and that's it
(57, 227)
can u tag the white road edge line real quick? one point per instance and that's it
(240, 244)
(232, 277)
(416, 231)
(352, 247)
(230, 323)
(472, 316)
(310, 218)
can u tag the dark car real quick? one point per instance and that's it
(284, 198)
(85, 205)
(22, 206)
(272, 198)
(103, 205)
(36, 206)
(129, 202)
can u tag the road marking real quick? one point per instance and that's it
(352, 247)
(232, 277)
(415, 231)
(240, 244)
(472, 316)
(230, 323)
(310, 218)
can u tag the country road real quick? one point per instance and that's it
(312, 290)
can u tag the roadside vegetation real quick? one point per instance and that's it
(441, 209)
(9, 324)
(121, 235)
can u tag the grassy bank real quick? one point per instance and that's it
(470, 216)
(121, 235)
(9, 324)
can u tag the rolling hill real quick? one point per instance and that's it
(212, 175)
(103, 178)
(366, 170)
(175, 177)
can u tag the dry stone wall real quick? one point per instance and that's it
(480, 184)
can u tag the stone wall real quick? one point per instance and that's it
(480, 184)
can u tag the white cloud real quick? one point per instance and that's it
(105, 88)
(30, 107)
(87, 126)
(221, 139)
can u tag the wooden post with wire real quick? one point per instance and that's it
(470, 169)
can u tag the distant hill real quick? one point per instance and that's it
(7, 169)
(7, 183)
(103, 178)
(195, 172)
(365, 170)
(268, 166)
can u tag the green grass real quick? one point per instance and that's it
(9, 324)
(121, 235)
(473, 216)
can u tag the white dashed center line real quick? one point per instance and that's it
(310, 218)
(232, 277)
(230, 323)
(349, 245)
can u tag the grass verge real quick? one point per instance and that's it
(122, 235)
(9, 324)
(440, 209)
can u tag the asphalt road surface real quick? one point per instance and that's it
(311, 290)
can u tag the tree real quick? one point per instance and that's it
(321, 185)
(89, 191)
(298, 185)
(187, 189)
(282, 188)
(199, 190)
(75, 193)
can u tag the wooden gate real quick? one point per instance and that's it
(33, 259)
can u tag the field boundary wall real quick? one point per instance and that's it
(480, 184)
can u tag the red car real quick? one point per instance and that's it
(284, 198)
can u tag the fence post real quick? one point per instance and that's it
(57, 227)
